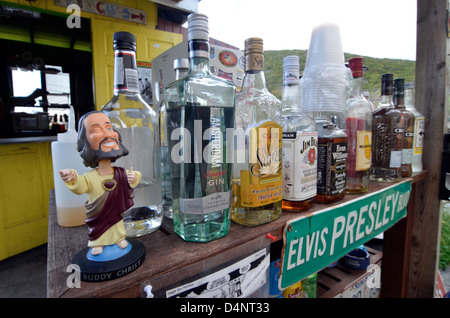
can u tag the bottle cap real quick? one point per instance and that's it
(254, 54)
(356, 65)
(291, 69)
(180, 64)
(124, 40)
(198, 27)
(71, 134)
(387, 83)
(399, 87)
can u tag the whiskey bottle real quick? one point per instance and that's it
(181, 68)
(299, 143)
(200, 110)
(419, 128)
(358, 127)
(387, 136)
(257, 183)
(138, 125)
(331, 160)
(408, 126)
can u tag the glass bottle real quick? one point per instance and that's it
(257, 182)
(331, 159)
(138, 125)
(200, 111)
(299, 143)
(408, 126)
(358, 127)
(181, 68)
(419, 128)
(387, 136)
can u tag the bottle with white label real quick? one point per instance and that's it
(200, 116)
(419, 128)
(138, 125)
(387, 136)
(299, 143)
(257, 169)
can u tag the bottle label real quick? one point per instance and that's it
(261, 184)
(299, 165)
(207, 204)
(418, 136)
(125, 73)
(198, 48)
(363, 150)
(331, 167)
(396, 159)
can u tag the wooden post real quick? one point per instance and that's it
(431, 97)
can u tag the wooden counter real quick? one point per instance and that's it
(165, 251)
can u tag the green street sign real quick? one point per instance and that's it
(311, 243)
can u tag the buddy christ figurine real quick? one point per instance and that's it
(109, 188)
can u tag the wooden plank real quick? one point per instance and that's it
(431, 99)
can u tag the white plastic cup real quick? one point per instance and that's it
(325, 47)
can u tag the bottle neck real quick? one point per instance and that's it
(126, 78)
(357, 87)
(291, 98)
(399, 100)
(180, 73)
(198, 56)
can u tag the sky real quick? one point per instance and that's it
(376, 28)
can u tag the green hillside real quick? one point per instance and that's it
(273, 68)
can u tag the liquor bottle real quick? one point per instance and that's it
(200, 110)
(387, 136)
(358, 127)
(138, 125)
(299, 143)
(408, 127)
(181, 68)
(331, 159)
(419, 128)
(257, 178)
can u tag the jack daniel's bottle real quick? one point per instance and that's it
(200, 110)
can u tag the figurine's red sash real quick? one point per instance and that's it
(106, 210)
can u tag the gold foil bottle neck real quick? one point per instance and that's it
(254, 54)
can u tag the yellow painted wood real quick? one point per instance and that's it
(25, 181)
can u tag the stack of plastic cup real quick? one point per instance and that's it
(326, 80)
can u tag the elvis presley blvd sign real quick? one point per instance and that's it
(311, 243)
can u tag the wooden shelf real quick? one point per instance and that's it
(165, 251)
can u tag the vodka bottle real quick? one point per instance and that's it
(419, 128)
(299, 143)
(408, 126)
(358, 127)
(387, 136)
(257, 181)
(200, 111)
(138, 125)
(181, 67)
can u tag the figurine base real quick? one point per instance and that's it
(98, 268)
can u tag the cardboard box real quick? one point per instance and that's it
(224, 62)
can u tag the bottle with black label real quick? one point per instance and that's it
(331, 161)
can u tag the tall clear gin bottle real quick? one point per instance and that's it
(419, 128)
(387, 136)
(299, 143)
(181, 68)
(257, 169)
(138, 125)
(200, 111)
(358, 127)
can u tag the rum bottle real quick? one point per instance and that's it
(257, 171)
(408, 126)
(419, 128)
(387, 136)
(358, 127)
(138, 125)
(200, 110)
(299, 143)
